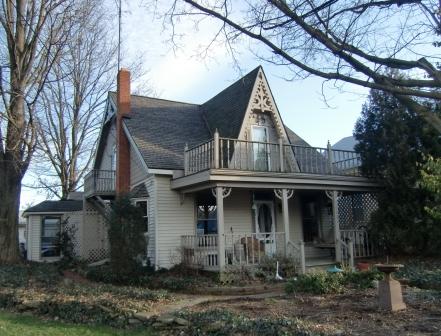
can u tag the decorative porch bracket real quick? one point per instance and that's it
(334, 195)
(284, 195)
(220, 193)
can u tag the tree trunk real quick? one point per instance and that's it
(10, 189)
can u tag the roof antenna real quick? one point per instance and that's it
(119, 34)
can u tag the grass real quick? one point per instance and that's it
(13, 325)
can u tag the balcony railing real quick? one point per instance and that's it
(99, 182)
(226, 153)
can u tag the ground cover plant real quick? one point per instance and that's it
(14, 324)
(221, 322)
(37, 288)
(332, 283)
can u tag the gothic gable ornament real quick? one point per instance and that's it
(262, 103)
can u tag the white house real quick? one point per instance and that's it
(222, 183)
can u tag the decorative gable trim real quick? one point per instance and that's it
(262, 101)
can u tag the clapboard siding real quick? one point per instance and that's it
(151, 241)
(175, 218)
(110, 143)
(137, 170)
(34, 237)
(237, 212)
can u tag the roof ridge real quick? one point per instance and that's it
(162, 99)
(234, 83)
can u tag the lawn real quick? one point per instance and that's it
(14, 325)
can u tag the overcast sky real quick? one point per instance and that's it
(184, 75)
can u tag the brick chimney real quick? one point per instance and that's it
(122, 143)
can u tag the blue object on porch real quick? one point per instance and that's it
(334, 269)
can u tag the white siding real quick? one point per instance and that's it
(151, 238)
(137, 170)
(34, 238)
(237, 212)
(106, 160)
(174, 220)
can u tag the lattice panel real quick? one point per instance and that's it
(355, 210)
(97, 254)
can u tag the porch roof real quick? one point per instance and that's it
(270, 180)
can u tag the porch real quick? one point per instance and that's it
(202, 251)
(243, 226)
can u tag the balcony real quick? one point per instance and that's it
(252, 156)
(99, 183)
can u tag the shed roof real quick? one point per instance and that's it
(59, 206)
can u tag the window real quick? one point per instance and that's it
(260, 148)
(113, 159)
(144, 207)
(50, 236)
(206, 219)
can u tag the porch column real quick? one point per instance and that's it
(285, 214)
(334, 195)
(284, 195)
(220, 227)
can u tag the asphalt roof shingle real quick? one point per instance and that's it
(56, 206)
(161, 128)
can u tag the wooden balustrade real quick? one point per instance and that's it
(99, 182)
(226, 153)
(201, 251)
(362, 246)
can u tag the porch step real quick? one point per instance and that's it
(312, 252)
(319, 264)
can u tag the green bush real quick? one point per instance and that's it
(361, 280)
(422, 274)
(316, 283)
(268, 266)
(126, 229)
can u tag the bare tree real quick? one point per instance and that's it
(73, 100)
(32, 34)
(359, 42)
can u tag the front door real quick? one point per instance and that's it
(265, 225)
(260, 148)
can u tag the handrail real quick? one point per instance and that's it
(347, 252)
(246, 155)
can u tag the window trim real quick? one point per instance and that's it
(60, 219)
(146, 216)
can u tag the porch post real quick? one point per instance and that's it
(220, 227)
(285, 214)
(336, 225)
(216, 149)
(281, 158)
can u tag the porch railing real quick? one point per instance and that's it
(226, 153)
(201, 251)
(99, 182)
(363, 247)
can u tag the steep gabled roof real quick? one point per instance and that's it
(161, 128)
(226, 110)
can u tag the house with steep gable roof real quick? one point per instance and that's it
(226, 183)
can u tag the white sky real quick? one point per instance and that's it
(183, 76)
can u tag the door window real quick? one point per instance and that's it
(260, 148)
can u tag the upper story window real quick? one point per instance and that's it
(143, 204)
(113, 159)
(50, 236)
